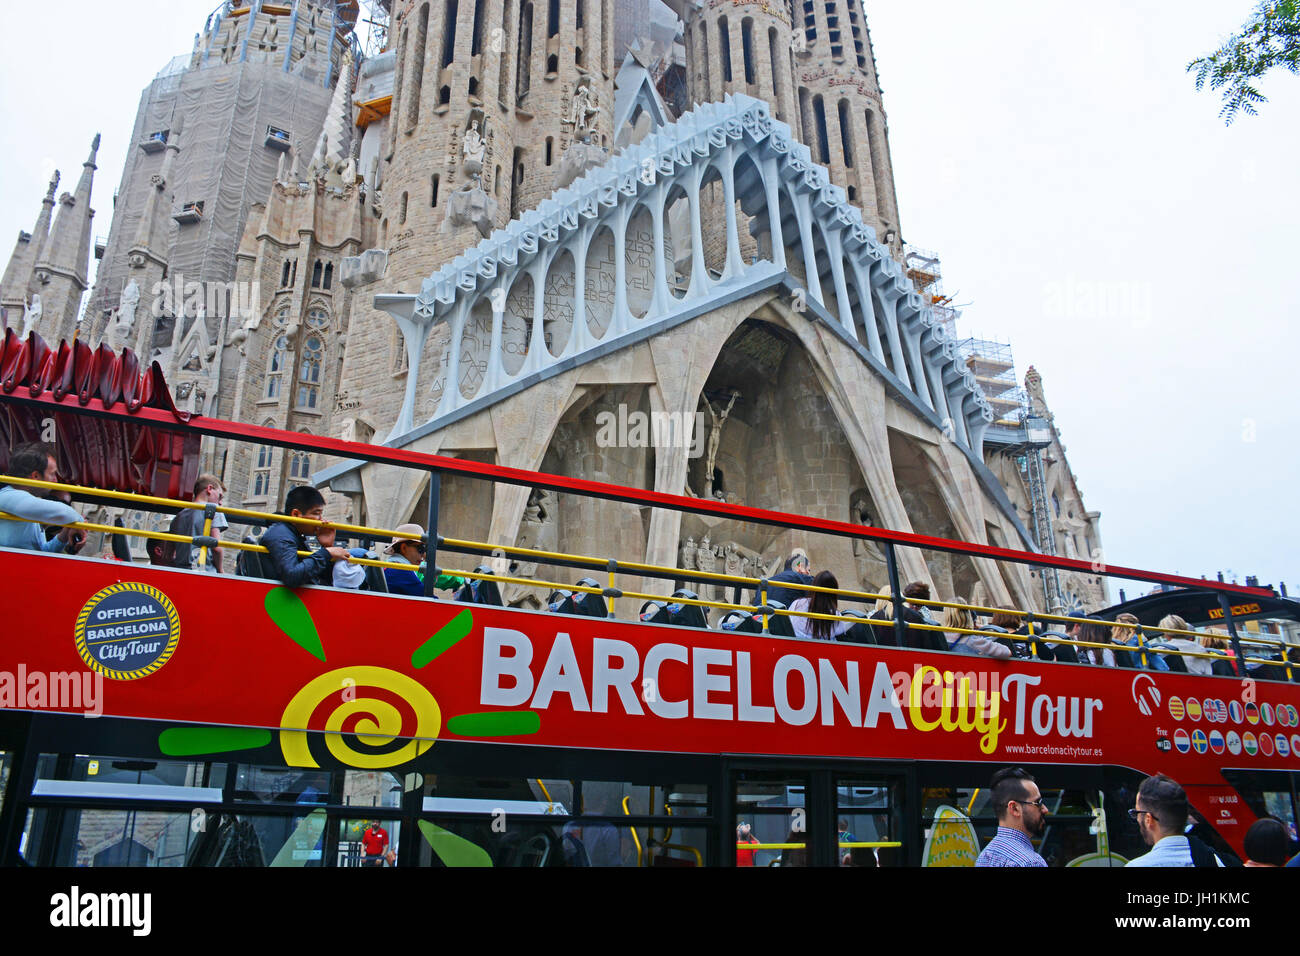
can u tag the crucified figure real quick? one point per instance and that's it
(715, 438)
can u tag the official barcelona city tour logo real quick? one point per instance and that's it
(127, 631)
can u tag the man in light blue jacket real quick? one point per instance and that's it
(35, 460)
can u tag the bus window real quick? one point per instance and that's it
(771, 813)
(868, 818)
(1267, 794)
(548, 821)
(5, 758)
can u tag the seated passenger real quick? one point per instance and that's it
(920, 614)
(189, 522)
(798, 570)
(1093, 632)
(883, 618)
(283, 540)
(405, 551)
(1195, 665)
(972, 644)
(1124, 634)
(819, 603)
(35, 460)
(1006, 621)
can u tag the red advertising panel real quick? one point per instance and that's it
(375, 669)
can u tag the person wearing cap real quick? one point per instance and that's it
(408, 548)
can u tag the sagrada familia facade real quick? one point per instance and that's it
(524, 220)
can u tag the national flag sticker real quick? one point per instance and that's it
(1249, 743)
(1193, 709)
(1220, 711)
(1216, 741)
(1293, 714)
(1176, 708)
(1199, 740)
(1266, 745)
(1182, 741)
(1295, 744)
(1266, 714)
(1252, 713)
(1235, 712)
(1283, 748)
(1233, 741)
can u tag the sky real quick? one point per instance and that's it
(1088, 204)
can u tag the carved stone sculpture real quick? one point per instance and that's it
(31, 314)
(472, 150)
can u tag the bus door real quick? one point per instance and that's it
(797, 813)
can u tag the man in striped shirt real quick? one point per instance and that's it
(1021, 815)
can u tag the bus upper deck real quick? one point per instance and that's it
(656, 737)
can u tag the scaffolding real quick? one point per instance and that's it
(926, 274)
(995, 371)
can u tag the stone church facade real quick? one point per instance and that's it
(497, 236)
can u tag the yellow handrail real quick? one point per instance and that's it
(635, 839)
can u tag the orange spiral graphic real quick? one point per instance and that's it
(380, 723)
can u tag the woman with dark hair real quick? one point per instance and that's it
(1006, 621)
(819, 603)
(1094, 632)
(1266, 843)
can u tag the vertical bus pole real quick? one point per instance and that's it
(896, 592)
(431, 532)
(1232, 633)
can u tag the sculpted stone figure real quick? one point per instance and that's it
(584, 113)
(472, 149)
(124, 322)
(687, 554)
(715, 439)
(31, 314)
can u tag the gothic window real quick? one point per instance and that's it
(524, 78)
(553, 18)
(309, 369)
(476, 39)
(1056, 504)
(823, 144)
(318, 320)
(275, 365)
(433, 191)
(747, 49)
(449, 34)
(299, 467)
(417, 68)
(316, 271)
(724, 49)
(549, 141)
(504, 76)
(284, 275)
(846, 134)
(262, 467)
(329, 275)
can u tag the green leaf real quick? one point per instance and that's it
(286, 609)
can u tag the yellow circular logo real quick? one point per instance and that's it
(1176, 708)
(359, 714)
(127, 631)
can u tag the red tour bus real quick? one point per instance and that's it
(159, 716)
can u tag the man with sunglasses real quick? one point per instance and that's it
(1160, 812)
(408, 548)
(1021, 815)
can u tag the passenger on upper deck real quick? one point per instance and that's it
(973, 644)
(1124, 634)
(1195, 665)
(798, 570)
(283, 540)
(405, 550)
(35, 460)
(1092, 632)
(819, 603)
(208, 489)
(920, 614)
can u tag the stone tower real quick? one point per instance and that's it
(60, 274)
(841, 113)
(211, 130)
(494, 105)
(17, 287)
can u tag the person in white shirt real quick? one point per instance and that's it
(1161, 815)
(819, 603)
(1195, 665)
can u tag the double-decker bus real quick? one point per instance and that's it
(158, 716)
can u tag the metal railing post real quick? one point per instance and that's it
(896, 593)
(431, 532)
(1232, 633)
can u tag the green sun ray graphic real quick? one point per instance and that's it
(451, 849)
(288, 612)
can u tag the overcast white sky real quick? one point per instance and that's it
(1085, 199)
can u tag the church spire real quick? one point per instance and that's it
(17, 280)
(334, 147)
(64, 263)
